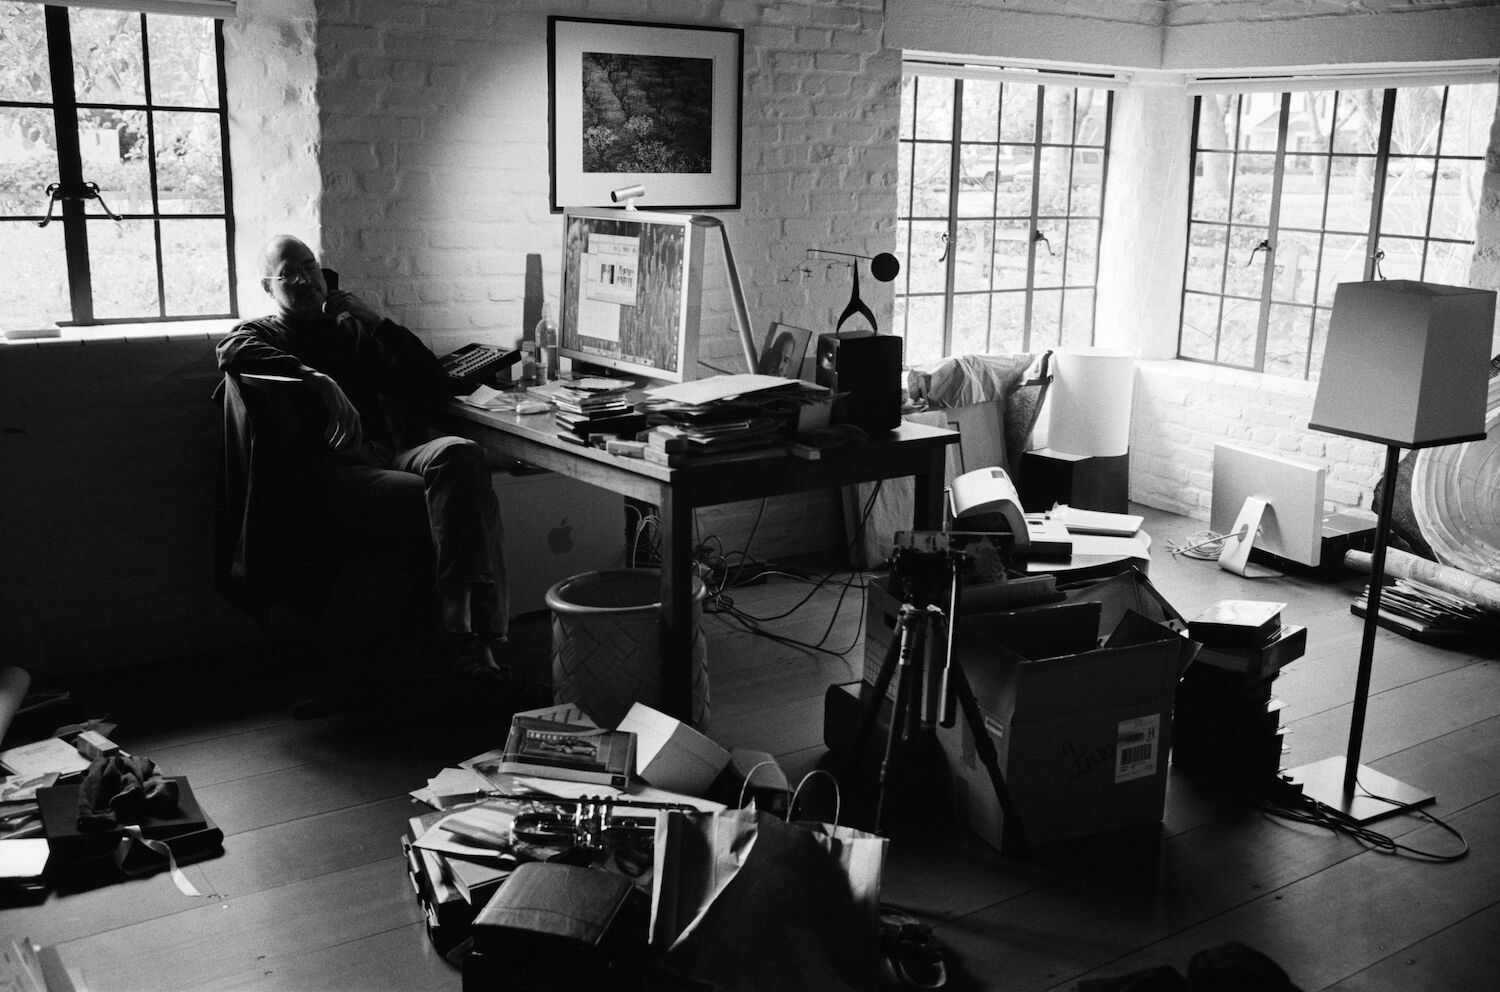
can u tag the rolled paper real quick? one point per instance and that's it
(1399, 564)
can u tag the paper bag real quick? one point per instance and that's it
(744, 901)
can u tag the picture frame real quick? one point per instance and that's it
(637, 104)
(783, 350)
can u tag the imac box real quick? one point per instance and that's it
(863, 369)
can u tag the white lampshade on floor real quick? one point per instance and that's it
(1089, 402)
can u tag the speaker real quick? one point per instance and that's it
(867, 367)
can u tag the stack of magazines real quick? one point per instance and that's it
(1421, 611)
(592, 405)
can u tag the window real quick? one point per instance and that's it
(1294, 193)
(1001, 191)
(122, 115)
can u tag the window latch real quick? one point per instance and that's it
(944, 256)
(74, 191)
(1264, 246)
(1378, 257)
(1037, 235)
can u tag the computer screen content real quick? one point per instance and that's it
(632, 292)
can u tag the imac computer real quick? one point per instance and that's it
(1277, 504)
(632, 288)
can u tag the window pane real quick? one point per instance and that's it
(1048, 266)
(972, 255)
(1252, 188)
(1351, 193)
(1078, 318)
(1216, 115)
(1013, 194)
(908, 106)
(898, 318)
(1403, 258)
(1012, 254)
(35, 289)
(903, 185)
(981, 110)
(1238, 332)
(1205, 267)
(1018, 113)
(193, 253)
(934, 108)
(1467, 121)
(1405, 208)
(1302, 198)
(1093, 116)
(1414, 130)
(1245, 268)
(1319, 339)
(189, 163)
(1052, 183)
(1356, 121)
(928, 273)
(183, 70)
(1200, 327)
(971, 324)
(1343, 261)
(28, 160)
(122, 261)
(1287, 335)
(107, 64)
(113, 144)
(1057, 115)
(981, 167)
(1083, 252)
(1088, 181)
(1211, 186)
(1448, 263)
(1007, 322)
(1046, 319)
(1455, 205)
(1260, 123)
(924, 329)
(930, 179)
(23, 54)
(1295, 268)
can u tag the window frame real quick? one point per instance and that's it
(920, 72)
(1284, 159)
(72, 211)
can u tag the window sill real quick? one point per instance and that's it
(145, 331)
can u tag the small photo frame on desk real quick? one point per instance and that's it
(783, 351)
(650, 105)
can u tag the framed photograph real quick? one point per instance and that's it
(783, 350)
(644, 105)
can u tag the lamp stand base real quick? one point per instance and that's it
(1375, 795)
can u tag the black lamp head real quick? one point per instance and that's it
(885, 267)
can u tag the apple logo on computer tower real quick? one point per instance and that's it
(560, 538)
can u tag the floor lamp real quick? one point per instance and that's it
(1406, 365)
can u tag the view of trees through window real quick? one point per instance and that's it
(1294, 193)
(1001, 193)
(141, 133)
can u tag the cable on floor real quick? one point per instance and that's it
(1304, 809)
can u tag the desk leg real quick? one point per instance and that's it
(677, 627)
(927, 503)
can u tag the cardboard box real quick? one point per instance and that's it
(671, 755)
(1082, 734)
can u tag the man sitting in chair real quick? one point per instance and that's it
(363, 465)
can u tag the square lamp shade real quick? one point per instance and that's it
(1398, 365)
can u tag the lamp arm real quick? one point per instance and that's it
(736, 291)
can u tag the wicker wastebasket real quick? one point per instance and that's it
(606, 644)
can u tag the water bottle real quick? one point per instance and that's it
(546, 344)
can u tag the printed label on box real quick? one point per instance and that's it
(1135, 747)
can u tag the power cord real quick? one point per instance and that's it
(1204, 545)
(1304, 809)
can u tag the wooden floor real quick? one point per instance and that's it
(312, 895)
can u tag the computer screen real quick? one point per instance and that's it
(632, 289)
(1292, 527)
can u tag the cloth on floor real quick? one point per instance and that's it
(121, 789)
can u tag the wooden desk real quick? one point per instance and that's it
(912, 449)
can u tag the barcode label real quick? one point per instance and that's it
(1136, 743)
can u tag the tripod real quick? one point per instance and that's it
(925, 694)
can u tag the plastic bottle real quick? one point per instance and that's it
(546, 344)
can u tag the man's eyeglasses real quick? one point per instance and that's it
(304, 273)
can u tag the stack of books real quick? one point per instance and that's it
(593, 406)
(1226, 730)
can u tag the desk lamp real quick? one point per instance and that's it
(1406, 366)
